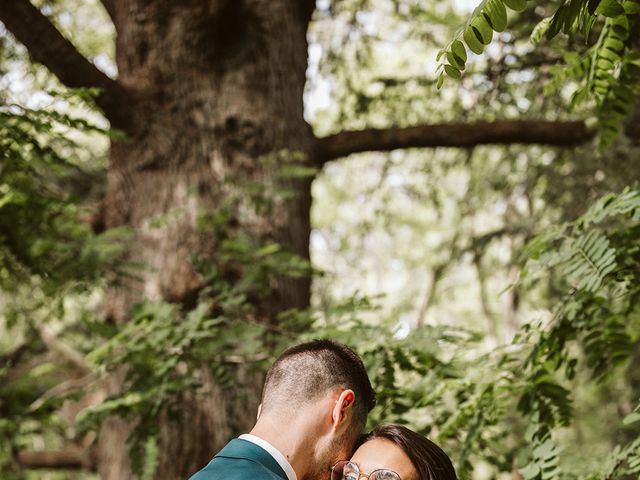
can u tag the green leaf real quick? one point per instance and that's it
(614, 44)
(455, 61)
(545, 450)
(609, 54)
(631, 418)
(610, 8)
(267, 250)
(482, 29)
(604, 64)
(620, 26)
(592, 6)
(587, 25)
(540, 30)
(557, 22)
(298, 171)
(591, 260)
(472, 41)
(496, 15)
(531, 471)
(452, 71)
(517, 5)
(581, 95)
(440, 81)
(457, 48)
(631, 7)
(571, 16)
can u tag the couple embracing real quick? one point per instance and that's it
(314, 408)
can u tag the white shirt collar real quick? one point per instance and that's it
(274, 452)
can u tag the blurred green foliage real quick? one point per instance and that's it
(40, 220)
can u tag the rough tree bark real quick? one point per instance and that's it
(218, 84)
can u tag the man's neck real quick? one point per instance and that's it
(289, 440)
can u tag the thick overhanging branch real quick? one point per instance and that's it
(463, 135)
(46, 45)
(74, 457)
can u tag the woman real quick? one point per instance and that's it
(393, 452)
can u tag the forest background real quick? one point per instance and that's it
(451, 188)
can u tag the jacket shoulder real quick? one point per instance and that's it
(234, 469)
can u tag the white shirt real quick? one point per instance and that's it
(274, 452)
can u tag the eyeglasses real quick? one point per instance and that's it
(346, 470)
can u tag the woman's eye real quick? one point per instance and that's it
(350, 476)
(384, 475)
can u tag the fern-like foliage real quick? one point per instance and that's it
(608, 73)
(591, 330)
(544, 464)
(591, 260)
(622, 463)
(490, 16)
(625, 204)
(599, 256)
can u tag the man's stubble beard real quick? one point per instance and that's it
(327, 456)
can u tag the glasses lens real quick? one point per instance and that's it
(345, 470)
(384, 475)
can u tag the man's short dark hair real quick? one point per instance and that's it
(305, 372)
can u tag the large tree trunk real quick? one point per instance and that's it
(218, 84)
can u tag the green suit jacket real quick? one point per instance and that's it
(241, 460)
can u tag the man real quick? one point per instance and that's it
(315, 403)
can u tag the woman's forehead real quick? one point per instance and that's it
(382, 453)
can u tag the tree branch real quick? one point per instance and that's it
(66, 458)
(65, 351)
(46, 45)
(63, 388)
(492, 321)
(430, 292)
(453, 135)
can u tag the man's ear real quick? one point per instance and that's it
(259, 412)
(343, 408)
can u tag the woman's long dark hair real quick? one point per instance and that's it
(429, 459)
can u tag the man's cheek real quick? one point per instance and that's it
(344, 454)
